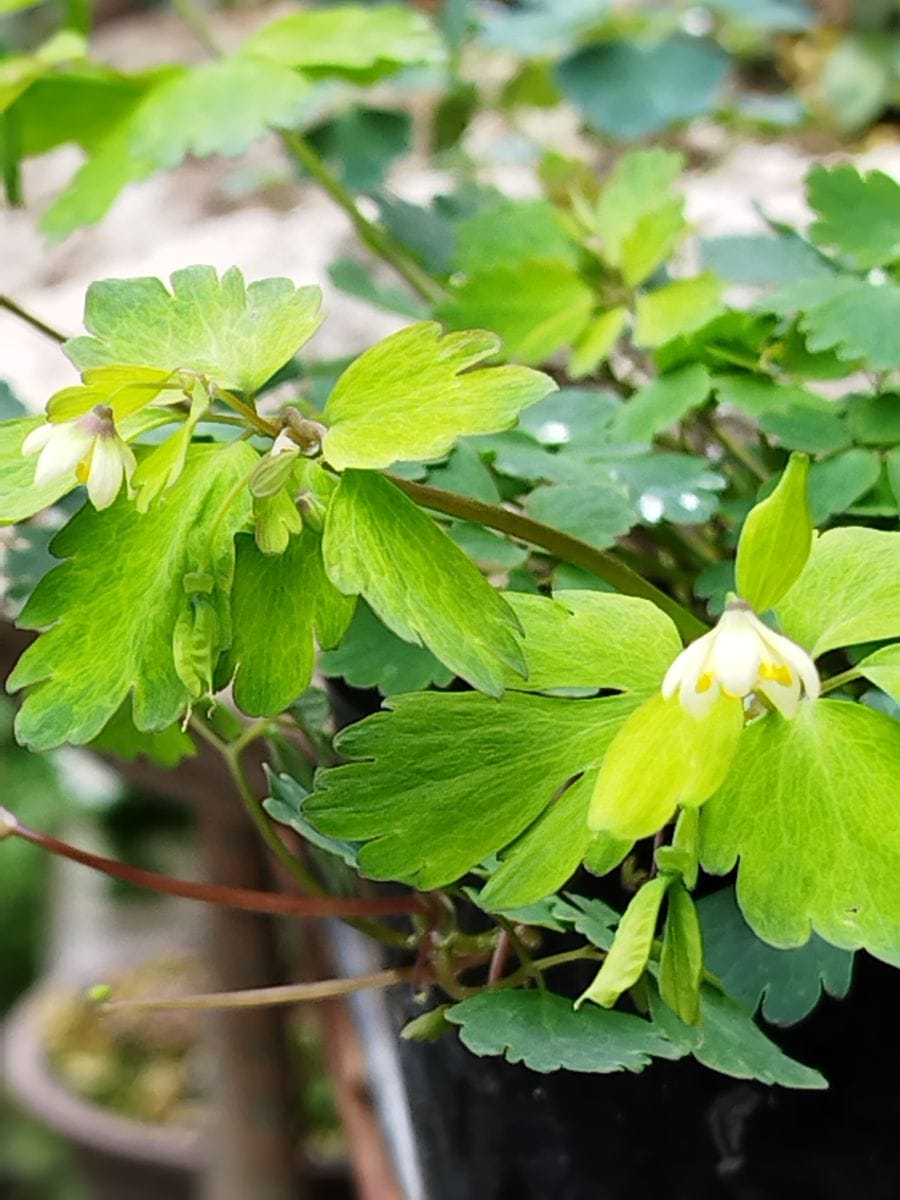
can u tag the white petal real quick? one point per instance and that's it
(698, 704)
(66, 447)
(796, 659)
(687, 665)
(106, 472)
(284, 444)
(38, 438)
(785, 697)
(735, 657)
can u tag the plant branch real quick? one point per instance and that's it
(23, 314)
(231, 897)
(292, 993)
(559, 544)
(378, 240)
(836, 681)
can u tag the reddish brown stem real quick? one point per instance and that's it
(230, 897)
(499, 957)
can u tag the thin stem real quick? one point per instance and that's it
(246, 899)
(586, 953)
(23, 314)
(292, 993)
(379, 241)
(192, 15)
(740, 453)
(559, 544)
(249, 413)
(836, 681)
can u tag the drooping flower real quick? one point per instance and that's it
(91, 447)
(741, 655)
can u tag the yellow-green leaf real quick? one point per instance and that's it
(627, 959)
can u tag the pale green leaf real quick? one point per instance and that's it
(596, 640)
(663, 757)
(276, 605)
(858, 322)
(379, 544)
(125, 389)
(536, 306)
(640, 186)
(371, 656)
(121, 738)
(627, 959)
(661, 404)
(349, 39)
(110, 610)
(593, 919)
(727, 1040)
(605, 852)
(240, 335)
(546, 855)
(509, 231)
(216, 108)
(788, 982)
(448, 779)
(859, 215)
(652, 241)
(776, 539)
(848, 592)
(810, 809)
(675, 309)
(681, 960)
(596, 341)
(20, 498)
(413, 394)
(545, 1033)
(883, 669)
(287, 805)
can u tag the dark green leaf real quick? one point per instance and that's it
(121, 738)
(597, 513)
(661, 404)
(356, 280)
(287, 805)
(362, 143)
(371, 656)
(836, 483)
(859, 215)
(760, 258)
(543, 1031)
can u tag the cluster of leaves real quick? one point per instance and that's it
(251, 536)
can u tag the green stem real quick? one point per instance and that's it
(586, 953)
(249, 413)
(836, 681)
(192, 15)
(292, 993)
(379, 241)
(17, 310)
(739, 452)
(560, 545)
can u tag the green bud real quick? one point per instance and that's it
(429, 1027)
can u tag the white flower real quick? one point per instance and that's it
(741, 655)
(89, 446)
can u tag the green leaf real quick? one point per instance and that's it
(858, 215)
(690, 759)
(675, 309)
(546, 855)
(627, 89)
(596, 341)
(627, 959)
(858, 321)
(759, 258)
(20, 498)
(591, 918)
(536, 305)
(507, 232)
(277, 601)
(809, 429)
(360, 43)
(287, 805)
(670, 487)
(240, 335)
(580, 416)
(776, 539)
(875, 419)
(491, 551)
(593, 640)
(837, 483)
(465, 472)
(110, 610)
(788, 982)
(758, 396)
(362, 143)
(883, 669)
(544, 1032)
(413, 394)
(121, 738)
(681, 960)
(639, 186)
(370, 656)
(809, 807)
(849, 591)
(727, 1040)
(597, 513)
(216, 108)
(661, 404)
(381, 545)
(419, 803)
(357, 280)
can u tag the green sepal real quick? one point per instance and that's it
(776, 539)
(681, 960)
(627, 959)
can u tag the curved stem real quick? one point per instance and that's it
(836, 681)
(23, 314)
(378, 240)
(559, 544)
(245, 899)
(291, 993)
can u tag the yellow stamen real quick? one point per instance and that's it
(780, 673)
(704, 683)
